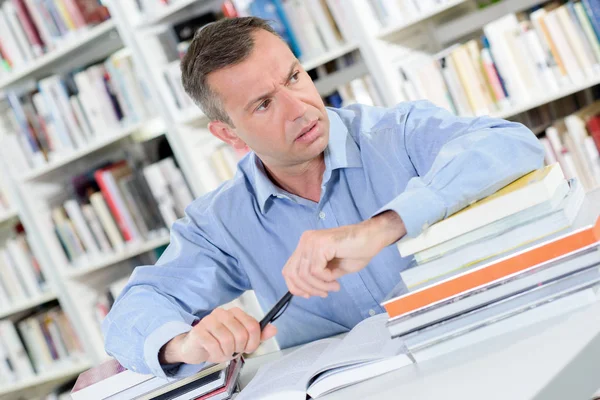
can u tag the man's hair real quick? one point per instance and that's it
(215, 46)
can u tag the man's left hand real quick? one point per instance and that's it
(323, 256)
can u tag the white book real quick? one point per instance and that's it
(13, 285)
(536, 52)
(15, 349)
(575, 41)
(588, 30)
(56, 85)
(108, 223)
(365, 352)
(179, 188)
(538, 21)
(316, 11)
(9, 42)
(15, 26)
(160, 190)
(549, 155)
(56, 144)
(23, 267)
(83, 231)
(7, 375)
(567, 55)
(526, 192)
(90, 104)
(341, 15)
(81, 119)
(534, 316)
(52, 103)
(36, 345)
(96, 227)
(507, 66)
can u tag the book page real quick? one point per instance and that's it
(367, 341)
(287, 376)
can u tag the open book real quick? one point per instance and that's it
(327, 365)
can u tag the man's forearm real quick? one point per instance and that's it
(169, 353)
(386, 228)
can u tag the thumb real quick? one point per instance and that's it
(269, 331)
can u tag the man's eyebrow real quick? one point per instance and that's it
(271, 92)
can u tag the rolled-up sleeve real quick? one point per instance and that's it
(458, 161)
(192, 277)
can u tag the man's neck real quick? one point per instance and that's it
(302, 180)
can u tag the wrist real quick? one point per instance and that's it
(170, 353)
(385, 228)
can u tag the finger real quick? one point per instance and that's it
(309, 283)
(240, 333)
(224, 337)
(212, 347)
(251, 326)
(269, 331)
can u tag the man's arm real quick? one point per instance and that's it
(160, 303)
(457, 160)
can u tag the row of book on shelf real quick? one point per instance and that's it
(519, 57)
(32, 28)
(118, 205)
(21, 277)
(70, 111)
(37, 344)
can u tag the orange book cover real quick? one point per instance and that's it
(500, 269)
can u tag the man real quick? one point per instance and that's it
(313, 208)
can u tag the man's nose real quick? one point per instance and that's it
(294, 107)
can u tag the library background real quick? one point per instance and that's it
(101, 149)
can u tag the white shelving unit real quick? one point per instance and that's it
(51, 59)
(28, 304)
(70, 285)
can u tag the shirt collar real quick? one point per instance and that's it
(341, 152)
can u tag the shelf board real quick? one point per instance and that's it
(329, 83)
(328, 56)
(6, 216)
(459, 27)
(394, 28)
(112, 259)
(562, 92)
(165, 13)
(59, 53)
(77, 154)
(55, 376)
(27, 304)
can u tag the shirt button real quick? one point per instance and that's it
(322, 215)
(372, 312)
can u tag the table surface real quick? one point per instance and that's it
(557, 359)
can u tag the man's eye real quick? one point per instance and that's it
(264, 105)
(295, 77)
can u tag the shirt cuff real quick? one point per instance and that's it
(156, 340)
(419, 208)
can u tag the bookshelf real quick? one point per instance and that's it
(27, 304)
(78, 154)
(8, 215)
(50, 60)
(128, 253)
(436, 11)
(374, 42)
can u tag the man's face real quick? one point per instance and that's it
(273, 104)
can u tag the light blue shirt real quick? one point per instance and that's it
(416, 159)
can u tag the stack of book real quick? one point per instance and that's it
(31, 28)
(39, 344)
(112, 381)
(118, 204)
(518, 57)
(71, 111)
(504, 262)
(21, 278)
(574, 142)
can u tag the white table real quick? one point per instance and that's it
(556, 360)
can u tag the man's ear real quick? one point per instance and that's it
(226, 133)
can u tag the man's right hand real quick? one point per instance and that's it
(216, 338)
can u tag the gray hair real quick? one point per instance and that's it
(216, 46)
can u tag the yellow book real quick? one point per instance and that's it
(530, 190)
